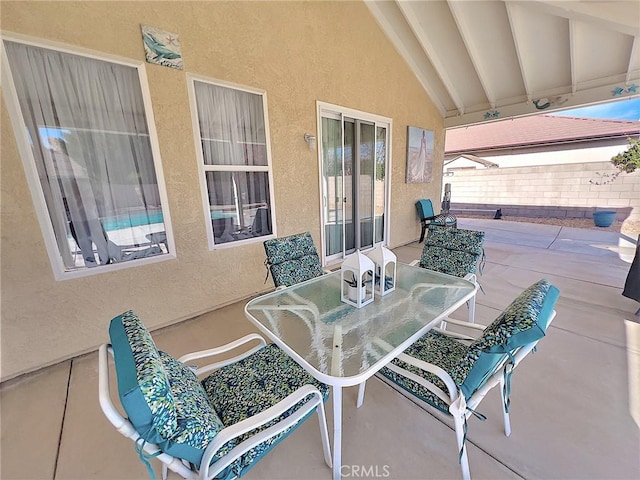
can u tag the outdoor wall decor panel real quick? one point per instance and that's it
(299, 53)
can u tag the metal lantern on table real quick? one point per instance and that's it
(354, 272)
(385, 270)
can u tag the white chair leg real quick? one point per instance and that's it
(505, 414)
(458, 422)
(165, 471)
(324, 435)
(472, 309)
(360, 394)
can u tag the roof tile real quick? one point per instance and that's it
(534, 130)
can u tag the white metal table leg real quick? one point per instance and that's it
(361, 394)
(337, 431)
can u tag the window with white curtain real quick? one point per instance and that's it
(232, 132)
(87, 137)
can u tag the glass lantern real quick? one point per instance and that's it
(385, 270)
(356, 269)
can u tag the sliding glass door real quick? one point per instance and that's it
(354, 185)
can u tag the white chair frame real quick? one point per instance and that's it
(459, 408)
(124, 426)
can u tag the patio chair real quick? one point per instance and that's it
(453, 372)
(215, 427)
(428, 217)
(457, 252)
(292, 259)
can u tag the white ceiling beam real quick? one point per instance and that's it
(473, 48)
(380, 11)
(582, 97)
(634, 60)
(519, 49)
(411, 17)
(572, 57)
(620, 16)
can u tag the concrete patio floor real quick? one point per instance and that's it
(575, 405)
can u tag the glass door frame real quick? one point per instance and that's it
(337, 112)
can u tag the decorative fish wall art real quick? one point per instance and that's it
(161, 48)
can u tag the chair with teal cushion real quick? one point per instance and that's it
(217, 426)
(453, 372)
(292, 259)
(428, 217)
(454, 251)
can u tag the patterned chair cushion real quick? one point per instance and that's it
(453, 262)
(292, 259)
(162, 397)
(252, 385)
(434, 348)
(197, 421)
(453, 251)
(524, 321)
(143, 387)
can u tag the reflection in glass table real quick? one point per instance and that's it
(342, 345)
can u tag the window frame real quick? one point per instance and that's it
(29, 162)
(203, 168)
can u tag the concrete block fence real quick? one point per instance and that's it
(555, 191)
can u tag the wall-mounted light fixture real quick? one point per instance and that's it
(311, 141)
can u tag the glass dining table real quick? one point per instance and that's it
(342, 345)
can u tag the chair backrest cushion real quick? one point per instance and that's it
(452, 250)
(292, 259)
(523, 322)
(143, 387)
(162, 397)
(425, 209)
(197, 421)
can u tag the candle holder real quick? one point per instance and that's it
(385, 270)
(354, 271)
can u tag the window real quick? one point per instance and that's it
(85, 136)
(232, 134)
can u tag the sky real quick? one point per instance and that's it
(627, 109)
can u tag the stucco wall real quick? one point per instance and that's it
(299, 52)
(550, 190)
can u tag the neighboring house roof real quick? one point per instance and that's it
(472, 158)
(535, 130)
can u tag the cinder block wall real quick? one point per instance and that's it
(548, 191)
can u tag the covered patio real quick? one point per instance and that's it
(575, 403)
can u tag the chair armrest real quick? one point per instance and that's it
(457, 335)
(435, 370)
(447, 397)
(251, 423)
(461, 323)
(222, 349)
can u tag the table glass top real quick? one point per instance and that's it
(335, 339)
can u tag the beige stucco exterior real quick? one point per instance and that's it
(299, 53)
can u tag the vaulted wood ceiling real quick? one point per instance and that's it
(489, 60)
